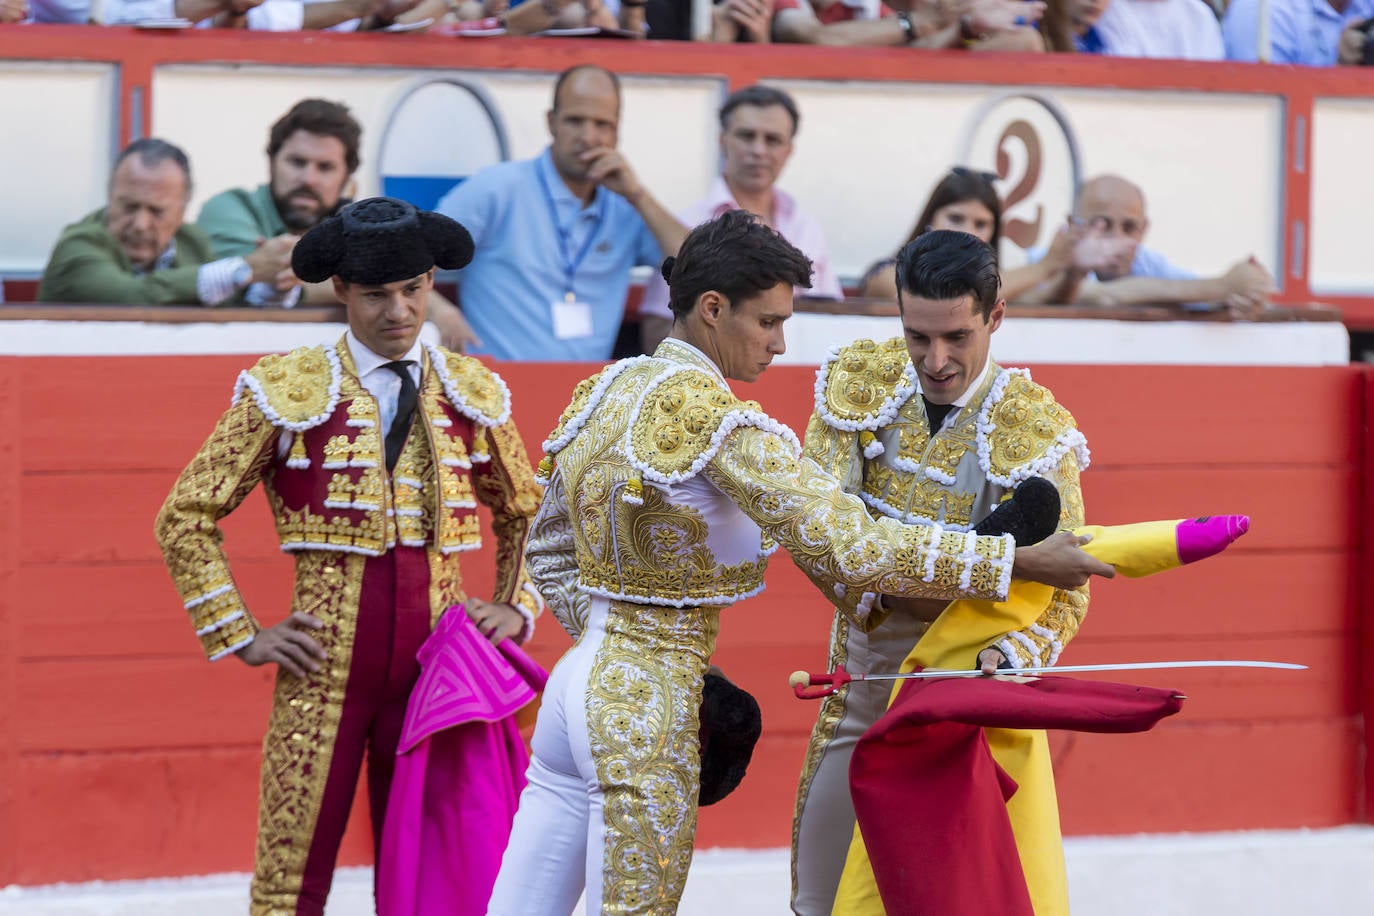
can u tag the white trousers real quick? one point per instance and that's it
(557, 839)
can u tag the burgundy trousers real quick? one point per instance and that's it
(393, 621)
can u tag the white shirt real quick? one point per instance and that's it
(1180, 29)
(382, 384)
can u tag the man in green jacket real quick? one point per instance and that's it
(138, 249)
(312, 153)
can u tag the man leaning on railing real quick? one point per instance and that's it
(139, 249)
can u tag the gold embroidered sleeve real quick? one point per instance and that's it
(552, 560)
(836, 452)
(218, 479)
(850, 556)
(506, 486)
(1041, 642)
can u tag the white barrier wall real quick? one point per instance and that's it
(57, 137)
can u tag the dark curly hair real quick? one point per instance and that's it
(735, 255)
(322, 117)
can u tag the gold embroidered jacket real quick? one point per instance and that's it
(669, 490)
(330, 491)
(870, 431)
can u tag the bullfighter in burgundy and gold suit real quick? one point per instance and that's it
(377, 508)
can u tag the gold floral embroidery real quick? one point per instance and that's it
(862, 377)
(301, 731)
(1026, 423)
(643, 693)
(298, 387)
(679, 418)
(218, 479)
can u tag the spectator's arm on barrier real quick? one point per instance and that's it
(1246, 286)
(85, 268)
(332, 12)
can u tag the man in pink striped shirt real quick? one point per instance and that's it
(757, 127)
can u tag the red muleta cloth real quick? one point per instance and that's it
(931, 801)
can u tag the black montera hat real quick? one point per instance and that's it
(380, 240)
(730, 727)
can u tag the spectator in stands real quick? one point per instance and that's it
(137, 249)
(312, 153)
(757, 127)
(1310, 32)
(1003, 25)
(966, 200)
(557, 235)
(1125, 272)
(1177, 29)
(526, 18)
(13, 11)
(262, 15)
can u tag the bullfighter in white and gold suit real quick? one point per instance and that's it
(666, 495)
(926, 429)
(374, 454)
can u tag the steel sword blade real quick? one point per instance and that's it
(1062, 669)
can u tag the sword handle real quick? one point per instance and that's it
(818, 686)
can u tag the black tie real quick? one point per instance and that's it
(405, 410)
(935, 414)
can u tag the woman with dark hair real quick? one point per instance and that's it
(965, 200)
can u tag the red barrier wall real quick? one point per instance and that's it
(123, 754)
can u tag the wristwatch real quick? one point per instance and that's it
(908, 30)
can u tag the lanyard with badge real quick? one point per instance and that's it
(572, 318)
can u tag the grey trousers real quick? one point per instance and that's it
(824, 820)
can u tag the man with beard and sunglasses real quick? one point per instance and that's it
(312, 154)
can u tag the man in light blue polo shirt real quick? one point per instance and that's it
(557, 235)
(1125, 272)
(1300, 31)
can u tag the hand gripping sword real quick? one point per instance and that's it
(815, 686)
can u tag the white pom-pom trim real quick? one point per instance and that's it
(578, 420)
(459, 400)
(208, 596)
(1070, 440)
(297, 546)
(886, 412)
(222, 622)
(1050, 637)
(731, 421)
(708, 601)
(246, 381)
(932, 552)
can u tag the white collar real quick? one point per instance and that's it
(962, 400)
(368, 360)
(697, 356)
